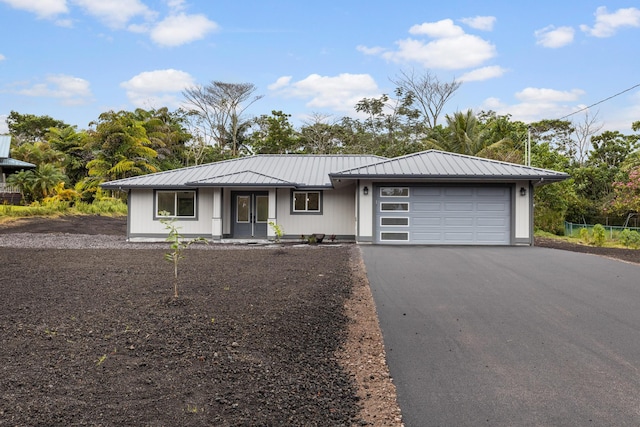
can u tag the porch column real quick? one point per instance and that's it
(216, 220)
(272, 213)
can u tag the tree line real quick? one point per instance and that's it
(213, 125)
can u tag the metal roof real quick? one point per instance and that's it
(243, 178)
(318, 171)
(15, 164)
(299, 170)
(5, 145)
(440, 165)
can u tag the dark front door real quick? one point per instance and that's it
(250, 214)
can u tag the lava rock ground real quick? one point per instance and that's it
(94, 337)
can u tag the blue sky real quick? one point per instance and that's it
(74, 59)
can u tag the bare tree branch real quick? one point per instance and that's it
(429, 93)
(584, 130)
(221, 106)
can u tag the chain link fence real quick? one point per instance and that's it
(612, 231)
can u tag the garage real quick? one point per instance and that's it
(443, 214)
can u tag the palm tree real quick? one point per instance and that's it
(464, 134)
(74, 147)
(46, 178)
(121, 147)
(22, 180)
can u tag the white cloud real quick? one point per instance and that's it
(441, 29)
(156, 89)
(133, 15)
(338, 93)
(42, 8)
(179, 29)
(280, 83)
(116, 13)
(484, 73)
(553, 37)
(370, 50)
(451, 49)
(537, 104)
(2, 57)
(484, 23)
(548, 95)
(607, 23)
(69, 89)
(448, 53)
(176, 5)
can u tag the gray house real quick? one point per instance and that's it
(431, 197)
(8, 166)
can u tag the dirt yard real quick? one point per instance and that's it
(278, 336)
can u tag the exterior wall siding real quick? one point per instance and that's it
(143, 225)
(338, 214)
(522, 212)
(366, 214)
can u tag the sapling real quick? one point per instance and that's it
(177, 246)
(278, 230)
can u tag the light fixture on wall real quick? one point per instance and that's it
(523, 191)
(365, 190)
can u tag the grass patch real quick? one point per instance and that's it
(103, 207)
(608, 243)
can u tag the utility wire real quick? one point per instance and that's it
(599, 102)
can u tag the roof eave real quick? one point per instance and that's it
(542, 179)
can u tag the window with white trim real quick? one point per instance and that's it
(394, 221)
(306, 202)
(385, 206)
(394, 236)
(394, 191)
(180, 204)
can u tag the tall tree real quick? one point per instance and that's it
(511, 134)
(74, 146)
(274, 135)
(39, 152)
(121, 147)
(219, 109)
(465, 134)
(558, 133)
(168, 135)
(584, 131)
(428, 94)
(319, 135)
(26, 128)
(390, 127)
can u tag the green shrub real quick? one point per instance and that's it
(598, 235)
(625, 237)
(630, 239)
(584, 235)
(105, 206)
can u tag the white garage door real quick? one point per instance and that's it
(443, 215)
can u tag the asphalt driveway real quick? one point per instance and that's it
(509, 336)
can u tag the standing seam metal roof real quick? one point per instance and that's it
(301, 170)
(439, 164)
(318, 171)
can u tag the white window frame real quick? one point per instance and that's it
(306, 209)
(394, 210)
(394, 232)
(175, 204)
(394, 217)
(401, 188)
